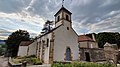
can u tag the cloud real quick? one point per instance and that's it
(109, 3)
(87, 15)
(13, 22)
(109, 24)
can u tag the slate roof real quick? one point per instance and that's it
(63, 8)
(50, 31)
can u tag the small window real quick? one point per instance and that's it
(58, 18)
(67, 17)
(67, 28)
(47, 42)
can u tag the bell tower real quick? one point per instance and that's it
(63, 16)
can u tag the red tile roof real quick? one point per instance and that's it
(25, 43)
(83, 38)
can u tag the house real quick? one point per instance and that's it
(88, 49)
(87, 42)
(111, 52)
(59, 44)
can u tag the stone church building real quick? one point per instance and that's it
(62, 44)
(59, 44)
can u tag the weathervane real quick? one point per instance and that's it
(62, 2)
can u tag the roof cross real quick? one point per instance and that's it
(62, 3)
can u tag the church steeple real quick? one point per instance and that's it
(62, 16)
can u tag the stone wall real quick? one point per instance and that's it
(111, 52)
(95, 54)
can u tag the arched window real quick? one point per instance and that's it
(68, 54)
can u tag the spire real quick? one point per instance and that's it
(62, 3)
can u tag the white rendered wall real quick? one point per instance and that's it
(59, 23)
(22, 51)
(83, 44)
(91, 44)
(46, 49)
(32, 48)
(65, 38)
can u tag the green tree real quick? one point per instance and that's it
(111, 37)
(14, 40)
(1, 51)
(47, 26)
(103, 37)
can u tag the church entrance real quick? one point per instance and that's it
(68, 54)
(87, 55)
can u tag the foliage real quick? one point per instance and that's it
(2, 49)
(32, 59)
(81, 64)
(37, 62)
(47, 26)
(29, 56)
(14, 40)
(16, 60)
(103, 37)
(110, 37)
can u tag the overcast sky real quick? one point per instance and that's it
(88, 16)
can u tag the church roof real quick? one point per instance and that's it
(64, 9)
(51, 31)
(83, 38)
(25, 43)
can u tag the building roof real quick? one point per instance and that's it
(49, 31)
(64, 9)
(83, 38)
(107, 44)
(25, 43)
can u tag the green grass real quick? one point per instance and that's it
(81, 64)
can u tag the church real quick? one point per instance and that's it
(63, 44)
(59, 44)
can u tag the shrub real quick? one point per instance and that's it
(29, 59)
(32, 60)
(29, 56)
(37, 62)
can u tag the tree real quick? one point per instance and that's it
(110, 37)
(14, 40)
(1, 51)
(47, 26)
(103, 37)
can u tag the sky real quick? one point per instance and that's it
(88, 16)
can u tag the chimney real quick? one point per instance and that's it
(93, 37)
